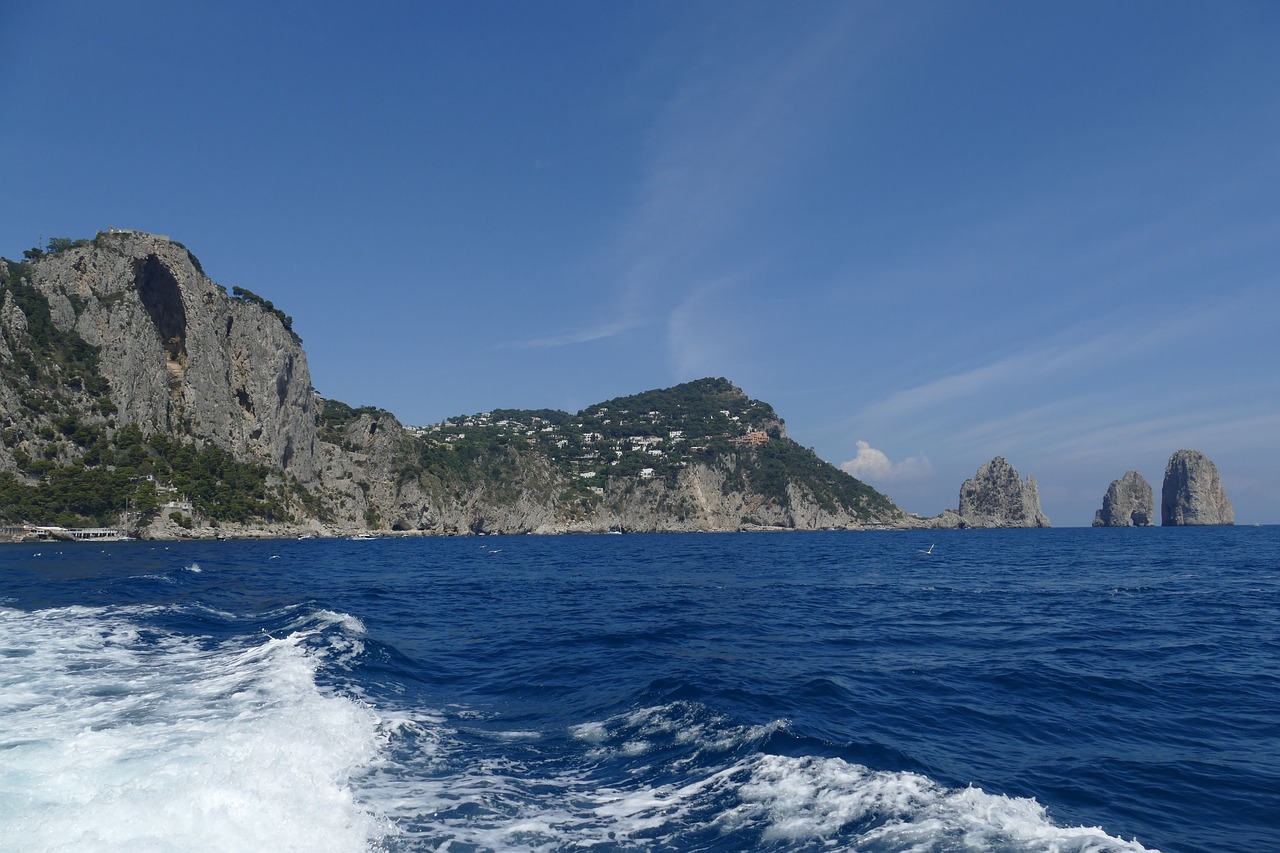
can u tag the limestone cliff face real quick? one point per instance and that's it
(13, 326)
(371, 479)
(374, 477)
(1192, 493)
(1127, 503)
(703, 497)
(181, 356)
(997, 497)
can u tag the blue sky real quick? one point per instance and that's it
(927, 233)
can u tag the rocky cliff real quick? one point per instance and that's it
(131, 379)
(512, 472)
(1127, 503)
(178, 355)
(1192, 493)
(997, 497)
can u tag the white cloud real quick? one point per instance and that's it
(874, 466)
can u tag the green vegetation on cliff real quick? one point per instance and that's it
(132, 473)
(248, 296)
(334, 416)
(46, 357)
(55, 245)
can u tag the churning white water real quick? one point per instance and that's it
(120, 738)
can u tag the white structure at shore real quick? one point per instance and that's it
(47, 533)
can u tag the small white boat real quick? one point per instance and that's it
(361, 537)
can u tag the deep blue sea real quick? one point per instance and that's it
(1027, 690)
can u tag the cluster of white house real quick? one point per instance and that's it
(539, 429)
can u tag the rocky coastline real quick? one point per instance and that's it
(119, 354)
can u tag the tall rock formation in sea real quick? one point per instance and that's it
(1193, 492)
(1127, 503)
(998, 497)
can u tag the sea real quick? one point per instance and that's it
(1064, 691)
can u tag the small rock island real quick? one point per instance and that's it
(997, 496)
(1129, 502)
(1192, 493)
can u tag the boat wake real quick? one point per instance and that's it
(680, 777)
(117, 736)
(120, 735)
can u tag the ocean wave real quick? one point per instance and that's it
(807, 798)
(122, 736)
(706, 783)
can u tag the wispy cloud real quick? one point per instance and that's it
(1070, 353)
(740, 120)
(570, 337)
(1108, 425)
(695, 341)
(744, 109)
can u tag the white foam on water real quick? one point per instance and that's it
(118, 737)
(741, 797)
(636, 747)
(805, 798)
(680, 723)
(827, 803)
(594, 732)
(345, 621)
(342, 646)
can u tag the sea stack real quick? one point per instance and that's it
(998, 497)
(1193, 493)
(1128, 503)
